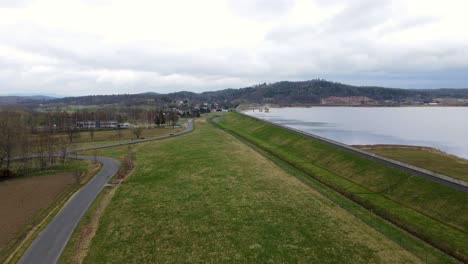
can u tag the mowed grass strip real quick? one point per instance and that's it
(434, 212)
(207, 197)
(424, 157)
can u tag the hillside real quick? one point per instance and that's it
(280, 93)
(25, 101)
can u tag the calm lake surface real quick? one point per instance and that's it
(444, 128)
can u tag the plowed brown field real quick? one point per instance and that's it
(23, 198)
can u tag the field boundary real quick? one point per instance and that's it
(430, 175)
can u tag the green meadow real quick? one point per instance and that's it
(208, 197)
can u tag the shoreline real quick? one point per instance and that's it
(460, 155)
(370, 147)
(358, 106)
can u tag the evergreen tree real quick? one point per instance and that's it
(162, 117)
(157, 120)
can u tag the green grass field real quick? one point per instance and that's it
(208, 197)
(423, 157)
(434, 212)
(34, 169)
(122, 135)
(85, 138)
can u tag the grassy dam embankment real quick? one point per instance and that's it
(435, 213)
(207, 197)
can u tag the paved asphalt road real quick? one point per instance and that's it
(49, 244)
(187, 129)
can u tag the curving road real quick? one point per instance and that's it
(188, 128)
(49, 244)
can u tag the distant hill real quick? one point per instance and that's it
(311, 92)
(26, 101)
(280, 93)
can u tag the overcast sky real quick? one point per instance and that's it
(107, 47)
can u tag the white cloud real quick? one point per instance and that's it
(261, 9)
(86, 47)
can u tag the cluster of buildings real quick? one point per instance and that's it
(102, 124)
(349, 100)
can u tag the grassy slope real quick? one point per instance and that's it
(388, 191)
(207, 197)
(427, 158)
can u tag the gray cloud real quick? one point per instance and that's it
(361, 15)
(13, 3)
(359, 44)
(408, 23)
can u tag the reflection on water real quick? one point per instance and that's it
(444, 128)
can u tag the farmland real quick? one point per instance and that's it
(30, 198)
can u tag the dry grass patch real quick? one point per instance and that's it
(424, 157)
(81, 239)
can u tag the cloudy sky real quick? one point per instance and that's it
(105, 46)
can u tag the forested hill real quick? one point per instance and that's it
(281, 93)
(311, 92)
(26, 101)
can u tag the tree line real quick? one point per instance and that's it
(40, 139)
(24, 152)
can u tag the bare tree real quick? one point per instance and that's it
(137, 131)
(119, 134)
(51, 148)
(72, 132)
(41, 151)
(78, 176)
(173, 118)
(25, 152)
(63, 146)
(11, 135)
(91, 133)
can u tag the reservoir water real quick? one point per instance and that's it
(444, 128)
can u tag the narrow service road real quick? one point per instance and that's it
(49, 244)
